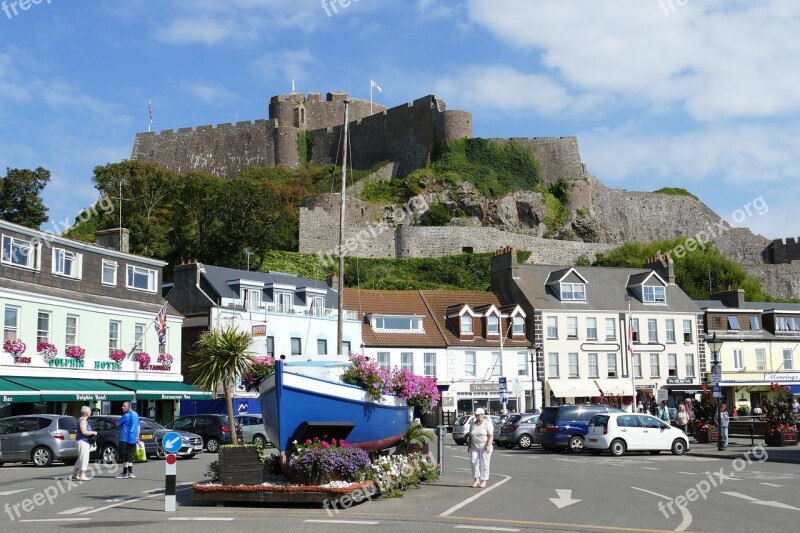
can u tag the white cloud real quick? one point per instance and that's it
(284, 66)
(208, 92)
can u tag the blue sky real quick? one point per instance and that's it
(686, 93)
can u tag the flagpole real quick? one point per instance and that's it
(370, 97)
(633, 362)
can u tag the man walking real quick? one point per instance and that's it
(128, 437)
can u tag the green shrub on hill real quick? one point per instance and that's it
(676, 191)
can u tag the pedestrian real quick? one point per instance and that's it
(682, 418)
(723, 419)
(85, 432)
(663, 412)
(128, 437)
(639, 407)
(480, 447)
(795, 406)
(757, 410)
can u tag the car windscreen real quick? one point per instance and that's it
(153, 423)
(599, 420)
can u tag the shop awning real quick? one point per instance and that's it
(73, 390)
(163, 390)
(614, 386)
(11, 392)
(572, 389)
(795, 389)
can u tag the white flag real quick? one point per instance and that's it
(373, 84)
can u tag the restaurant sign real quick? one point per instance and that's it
(784, 376)
(483, 387)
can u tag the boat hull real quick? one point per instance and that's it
(291, 401)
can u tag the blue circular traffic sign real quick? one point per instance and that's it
(172, 442)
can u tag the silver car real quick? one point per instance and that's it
(39, 439)
(518, 430)
(462, 423)
(253, 429)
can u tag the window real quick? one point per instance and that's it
(572, 327)
(787, 360)
(654, 294)
(522, 363)
(780, 324)
(66, 263)
(466, 323)
(11, 324)
(552, 359)
(252, 299)
(285, 302)
(655, 371)
(492, 325)
(138, 336)
(383, 360)
(738, 360)
(672, 365)
(297, 346)
(611, 358)
(689, 365)
(552, 327)
(611, 329)
(761, 359)
(652, 330)
(318, 306)
(71, 331)
(754, 323)
(635, 329)
(594, 369)
(113, 334)
(141, 278)
(43, 327)
(109, 272)
(591, 329)
(429, 360)
(322, 346)
(407, 361)
(397, 323)
(469, 364)
(519, 326)
(345, 347)
(793, 323)
(670, 330)
(271, 346)
(497, 364)
(687, 331)
(637, 365)
(573, 291)
(733, 322)
(573, 365)
(19, 252)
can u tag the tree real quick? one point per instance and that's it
(20, 200)
(220, 357)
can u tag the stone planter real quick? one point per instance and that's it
(705, 435)
(240, 465)
(780, 438)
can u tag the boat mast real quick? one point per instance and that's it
(340, 309)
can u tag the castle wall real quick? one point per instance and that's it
(558, 157)
(318, 113)
(783, 251)
(780, 281)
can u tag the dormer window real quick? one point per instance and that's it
(573, 292)
(285, 302)
(519, 325)
(653, 294)
(492, 325)
(66, 263)
(466, 324)
(733, 322)
(754, 323)
(397, 323)
(252, 299)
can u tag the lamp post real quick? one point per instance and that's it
(715, 346)
(535, 348)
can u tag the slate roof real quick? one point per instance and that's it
(748, 306)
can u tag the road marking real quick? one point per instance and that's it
(487, 528)
(769, 503)
(564, 498)
(687, 473)
(771, 484)
(649, 468)
(473, 498)
(10, 492)
(354, 522)
(203, 518)
(55, 520)
(75, 510)
(150, 491)
(687, 516)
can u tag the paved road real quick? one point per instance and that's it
(530, 490)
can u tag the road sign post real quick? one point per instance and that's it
(171, 443)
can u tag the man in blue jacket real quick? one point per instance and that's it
(128, 437)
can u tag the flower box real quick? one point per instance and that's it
(780, 438)
(704, 433)
(240, 465)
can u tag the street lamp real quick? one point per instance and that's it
(715, 346)
(535, 349)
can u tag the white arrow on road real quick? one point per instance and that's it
(171, 443)
(564, 498)
(769, 503)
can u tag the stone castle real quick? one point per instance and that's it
(401, 139)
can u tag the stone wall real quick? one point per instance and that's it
(558, 157)
(781, 281)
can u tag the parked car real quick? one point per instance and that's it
(150, 432)
(462, 423)
(213, 428)
(253, 429)
(565, 426)
(39, 439)
(518, 431)
(621, 432)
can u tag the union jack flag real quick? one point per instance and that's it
(160, 324)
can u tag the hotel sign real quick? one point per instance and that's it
(483, 387)
(680, 381)
(259, 330)
(785, 376)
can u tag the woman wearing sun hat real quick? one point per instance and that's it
(480, 447)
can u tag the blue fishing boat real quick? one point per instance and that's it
(305, 399)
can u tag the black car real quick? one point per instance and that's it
(214, 429)
(566, 426)
(150, 433)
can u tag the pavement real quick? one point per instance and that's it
(743, 446)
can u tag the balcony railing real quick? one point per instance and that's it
(274, 309)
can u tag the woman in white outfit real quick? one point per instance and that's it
(481, 434)
(84, 432)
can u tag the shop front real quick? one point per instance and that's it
(18, 400)
(682, 390)
(562, 392)
(485, 395)
(66, 396)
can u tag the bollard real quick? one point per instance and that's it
(441, 432)
(752, 438)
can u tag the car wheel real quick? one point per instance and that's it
(594, 451)
(160, 453)
(212, 445)
(524, 442)
(110, 454)
(575, 444)
(678, 447)
(459, 442)
(617, 447)
(260, 441)
(655, 452)
(42, 456)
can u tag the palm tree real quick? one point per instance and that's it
(220, 357)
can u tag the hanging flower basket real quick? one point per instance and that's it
(118, 356)
(47, 351)
(143, 358)
(15, 347)
(75, 352)
(165, 360)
